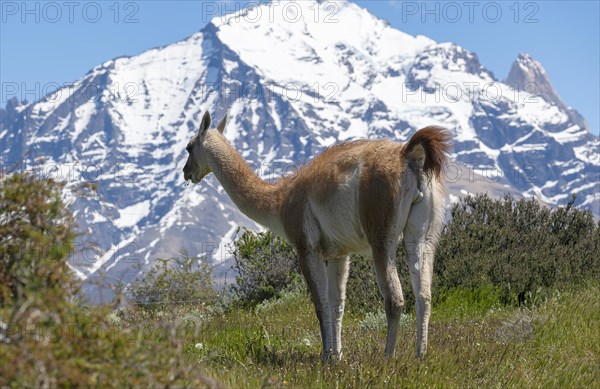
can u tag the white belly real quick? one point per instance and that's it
(339, 228)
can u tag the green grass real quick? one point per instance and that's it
(474, 342)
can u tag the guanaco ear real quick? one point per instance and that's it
(221, 126)
(205, 123)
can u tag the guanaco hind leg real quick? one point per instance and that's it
(337, 277)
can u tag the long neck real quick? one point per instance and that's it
(256, 198)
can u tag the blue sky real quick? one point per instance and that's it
(44, 44)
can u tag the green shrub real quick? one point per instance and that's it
(362, 291)
(265, 265)
(293, 294)
(36, 238)
(175, 282)
(47, 337)
(518, 245)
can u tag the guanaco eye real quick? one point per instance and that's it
(189, 149)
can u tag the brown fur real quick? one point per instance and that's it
(354, 196)
(381, 170)
(436, 144)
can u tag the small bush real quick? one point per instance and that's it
(47, 337)
(374, 321)
(265, 265)
(362, 291)
(175, 282)
(294, 293)
(36, 238)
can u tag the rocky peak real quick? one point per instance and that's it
(529, 75)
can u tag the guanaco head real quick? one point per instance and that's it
(198, 164)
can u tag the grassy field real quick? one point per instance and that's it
(473, 343)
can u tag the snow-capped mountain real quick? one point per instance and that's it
(293, 83)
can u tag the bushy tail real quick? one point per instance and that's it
(427, 150)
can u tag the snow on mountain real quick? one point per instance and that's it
(526, 74)
(291, 89)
